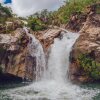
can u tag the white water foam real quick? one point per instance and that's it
(55, 85)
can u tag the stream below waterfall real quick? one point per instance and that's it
(55, 83)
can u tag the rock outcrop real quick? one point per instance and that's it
(13, 52)
(47, 37)
(85, 56)
(77, 19)
(10, 26)
(15, 58)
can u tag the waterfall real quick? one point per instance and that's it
(55, 84)
(58, 64)
(36, 50)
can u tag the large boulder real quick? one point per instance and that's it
(14, 56)
(47, 37)
(85, 56)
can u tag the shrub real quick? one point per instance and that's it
(4, 14)
(72, 6)
(36, 24)
(90, 67)
(5, 10)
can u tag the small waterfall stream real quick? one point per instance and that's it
(35, 50)
(55, 84)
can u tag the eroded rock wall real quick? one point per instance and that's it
(15, 58)
(85, 56)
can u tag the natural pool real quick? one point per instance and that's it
(18, 89)
(54, 84)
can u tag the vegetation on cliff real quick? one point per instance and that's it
(73, 6)
(4, 13)
(62, 16)
(36, 24)
(8, 21)
(87, 48)
(41, 20)
(90, 66)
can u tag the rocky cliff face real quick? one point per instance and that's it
(77, 19)
(85, 56)
(14, 54)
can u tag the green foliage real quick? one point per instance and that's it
(72, 6)
(4, 13)
(2, 19)
(62, 16)
(91, 67)
(5, 10)
(36, 24)
(40, 20)
(98, 9)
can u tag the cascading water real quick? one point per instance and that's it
(59, 58)
(55, 84)
(35, 50)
